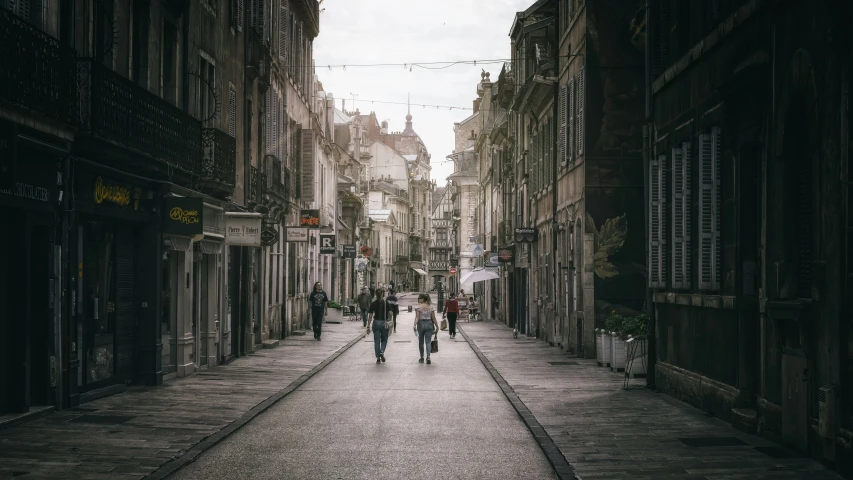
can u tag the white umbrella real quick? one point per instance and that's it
(479, 275)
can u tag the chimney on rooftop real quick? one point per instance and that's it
(476, 105)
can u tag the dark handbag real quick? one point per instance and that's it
(433, 346)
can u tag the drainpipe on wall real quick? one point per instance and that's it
(650, 306)
(556, 134)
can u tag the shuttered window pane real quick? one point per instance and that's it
(709, 208)
(681, 218)
(581, 95)
(570, 137)
(232, 113)
(564, 100)
(657, 222)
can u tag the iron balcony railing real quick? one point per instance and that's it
(402, 259)
(416, 257)
(287, 180)
(275, 176)
(115, 109)
(440, 244)
(439, 265)
(257, 185)
(37, 71)
(219, 161)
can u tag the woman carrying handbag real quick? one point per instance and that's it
(425, 326)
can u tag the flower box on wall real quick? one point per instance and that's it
(605, 349)
(617, 353)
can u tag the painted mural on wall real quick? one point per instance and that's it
(615, 220)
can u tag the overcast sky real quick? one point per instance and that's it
(408, 31)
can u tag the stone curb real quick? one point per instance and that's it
(558, 462)
(196, 450)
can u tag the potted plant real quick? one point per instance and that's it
(334, 314)
(613, 325)
(602, 347)
(635, 331)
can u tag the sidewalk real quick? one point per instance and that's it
(605, 432)
(132, 434)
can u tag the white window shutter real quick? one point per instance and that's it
(232, 113)
(681, 224)
(581, 95)
(709, 210)
(269, 120)
(657, 222)
(282, 30)
(265, 15)
(570, 135)
(274, 150)
(239, 15)
(564, 100)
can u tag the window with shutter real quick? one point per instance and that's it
(265, 19)
(657, 222)
(564, 100)
(548, 155)
(239, 15)
(681, 225)
(283, 23)
(307, 151)
(269, 108)
(533, 168)
(232, 112)
(570, 135)
(581, 95)
(275, 102)
(709, 210)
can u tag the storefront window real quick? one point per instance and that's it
(168, 312)
(100, 311)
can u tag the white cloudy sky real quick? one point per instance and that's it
(408, 31)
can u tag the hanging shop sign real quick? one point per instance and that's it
(269, 236)
(183, 215)
(309, 218)
(525, 235)
(492, 259)
(505, 255)
(327, 244)
(296, 235)
(348, 250)
(243, 229)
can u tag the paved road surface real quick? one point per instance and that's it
(401, 419)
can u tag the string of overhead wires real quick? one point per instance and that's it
(423, 105)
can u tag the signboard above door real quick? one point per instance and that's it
(243, 229)
(183, 216)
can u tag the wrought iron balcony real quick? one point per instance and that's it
(287, 180)
(416, 257)
(257, 186)
(439, 265)
(275, 177)
(219, 162)
(38, 72)
(118, 111)
(441, 244)
(402, 259)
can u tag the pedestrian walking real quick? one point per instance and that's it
(451, 312)
(393, 309)
(364, 301)
(378, 320)
(318, 303)
(425, 325)
(372, 289)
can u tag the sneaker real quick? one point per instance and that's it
(428, 361)
(377, 360)
(382, 356)
(421, 360)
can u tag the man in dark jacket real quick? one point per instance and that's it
(393, 309)
(364, 300)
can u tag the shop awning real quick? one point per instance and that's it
(420, 271)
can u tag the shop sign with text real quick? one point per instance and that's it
(243, 229)
(348, 250)
(183, 215)
(296, 234)
(327, 244)
(309, 218)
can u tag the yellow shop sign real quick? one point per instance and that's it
(186, 217)
(116, 194)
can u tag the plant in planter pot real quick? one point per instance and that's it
(635, 331)
(334, 304)
(614, 325)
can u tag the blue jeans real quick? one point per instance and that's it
(425, 332)
(380, 336)
(364, 313)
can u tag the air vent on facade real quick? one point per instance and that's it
(826, 411)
